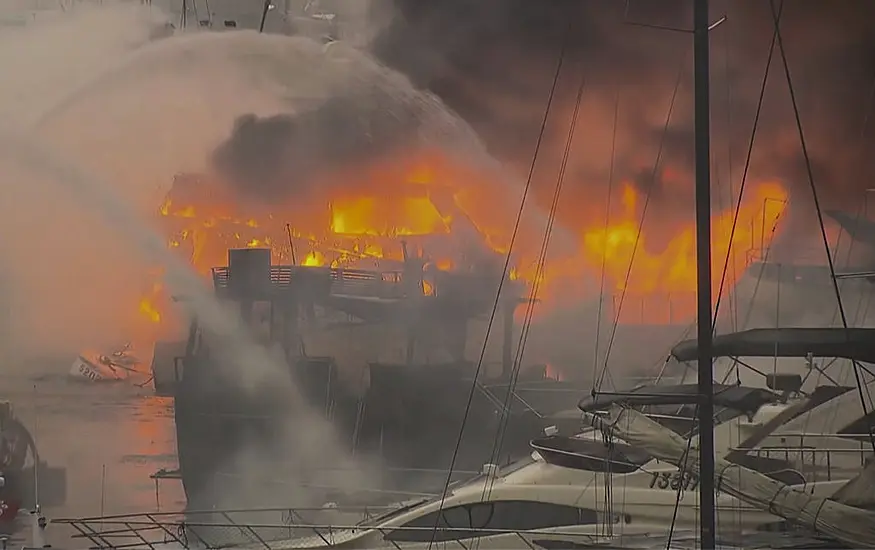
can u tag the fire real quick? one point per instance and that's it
(149, 310)
(314, 259)
(370, 216)
(673, 269)
(429, 207)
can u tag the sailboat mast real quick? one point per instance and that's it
(702, 115)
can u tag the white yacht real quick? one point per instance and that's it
(829, 434)
(577, 489)
(588, 490)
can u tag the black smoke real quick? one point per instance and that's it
(277, 156)
(491, 61)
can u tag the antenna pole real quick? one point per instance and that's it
(291, 244)
(702, 111)
(264, 10)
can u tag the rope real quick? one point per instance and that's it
(530, 306)
(492, 315)
(536, 285)
(753, 133)
(733, 298)
(598, 326)
(815, 198)
(597, 386)
(682, 471)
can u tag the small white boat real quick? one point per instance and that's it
(117, 366)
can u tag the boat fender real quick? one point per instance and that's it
(551, 430)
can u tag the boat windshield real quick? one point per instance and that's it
(518, 464)
(410, 504)
(400, 509)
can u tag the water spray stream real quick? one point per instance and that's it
(26, 152)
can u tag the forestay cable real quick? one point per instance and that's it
(504, 274)
(815, 198)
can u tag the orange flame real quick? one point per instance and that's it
(425, 200)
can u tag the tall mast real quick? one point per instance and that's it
(702, 135)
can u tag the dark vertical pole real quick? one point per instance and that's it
(703, 264)
(264, 10)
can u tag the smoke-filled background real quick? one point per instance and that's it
(291, 118)
(492, 62)
(136, 118)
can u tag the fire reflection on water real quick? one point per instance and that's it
(110, 438)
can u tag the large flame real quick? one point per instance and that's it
(429, 206)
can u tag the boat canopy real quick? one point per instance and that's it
(741, 398)
(591, 456)
(848, 343)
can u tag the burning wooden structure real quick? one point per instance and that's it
(410, 410)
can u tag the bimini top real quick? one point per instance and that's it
(740, 398)
(851, 343)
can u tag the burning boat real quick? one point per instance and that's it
(411, 409)
(396, 268)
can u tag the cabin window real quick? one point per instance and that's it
(475, 520)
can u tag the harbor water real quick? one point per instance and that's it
(110, 438)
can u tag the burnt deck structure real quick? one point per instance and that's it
(411, 410)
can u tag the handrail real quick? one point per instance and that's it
(819, 458)
(800, 449)
(134, 529)
(810, 434)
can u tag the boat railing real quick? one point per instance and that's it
(815, 460)
(156, 531)
(216, 528)
(669, 308)
(380, 283)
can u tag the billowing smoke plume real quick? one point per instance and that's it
(491, 62)
(281, 154)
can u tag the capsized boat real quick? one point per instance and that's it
(119, 365)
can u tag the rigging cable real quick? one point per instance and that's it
(596, 388)
(536, 285)
(598, 325)
(514, 233)
(733, 298)
(732, 231)
(742, 186)
(609, 485)
(862, 212)
(815, 198)
(682, 473)
(746, 169)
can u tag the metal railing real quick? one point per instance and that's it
(219, 529)
(814, 461)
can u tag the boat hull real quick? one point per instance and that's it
(407, 423)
